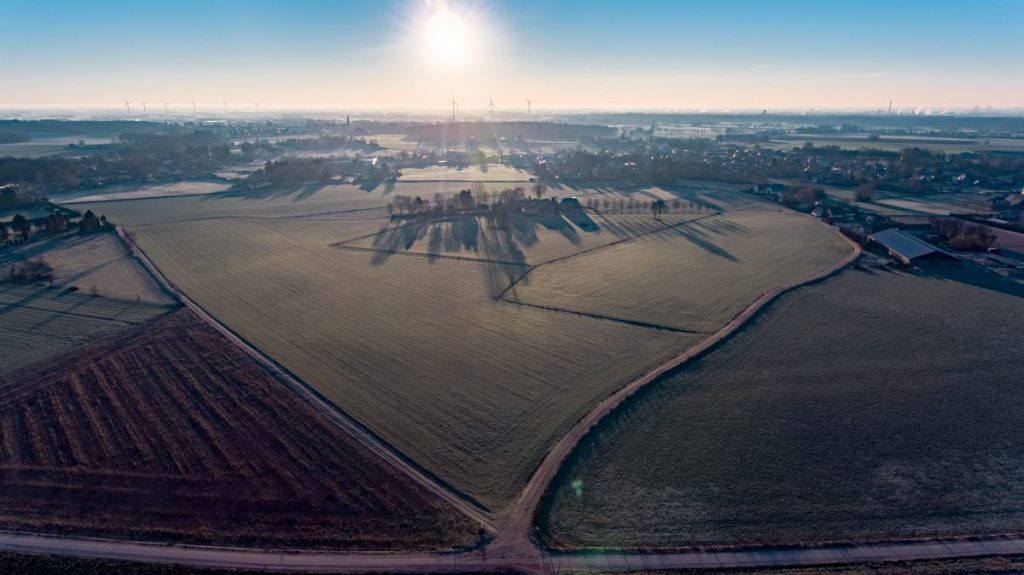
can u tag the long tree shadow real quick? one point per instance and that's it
(507, 260)
(972, 275)
(699, 239)
(297, 193)
(724, 226)
(18, 253)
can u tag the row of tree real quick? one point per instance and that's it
(642, 206)
(55, 223)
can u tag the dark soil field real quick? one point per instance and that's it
(168, 432)
(874, 405)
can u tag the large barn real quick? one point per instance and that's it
(909, 250)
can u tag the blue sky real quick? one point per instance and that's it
(567, 54)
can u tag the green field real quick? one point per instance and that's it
(37, 322)
(483, 387)
(873, 405)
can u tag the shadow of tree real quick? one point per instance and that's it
(297, 193)
(700, 239)
(972, 275)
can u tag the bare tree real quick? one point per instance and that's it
(657, 207)
(539, 189)
(865, 192)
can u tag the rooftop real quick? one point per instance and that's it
(904, 244)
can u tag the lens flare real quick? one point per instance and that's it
(447, 38)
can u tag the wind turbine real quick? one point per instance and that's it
(529, 109)
(165, 107)
(225, 107)
(491, 106)
(128, 105)
(193, 107)
(144, 112)
(453, 109)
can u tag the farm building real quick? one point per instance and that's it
(907, 249)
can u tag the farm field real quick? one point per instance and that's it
(380, 339)
(1007, 240)
(188, 188)
(895, 143)
(895, 204)
(374, 332)
(693, 277)
(169, 432)
(332, 201)
(858, 408)
(37, 323)
(94, 264)
(490, 173)
(39, 147)
(351, 201)
(395, 142)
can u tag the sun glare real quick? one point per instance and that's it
(448, 38)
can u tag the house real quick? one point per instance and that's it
(909, 250)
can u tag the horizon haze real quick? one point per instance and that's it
(416, 55)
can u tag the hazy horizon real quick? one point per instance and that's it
(416, 56)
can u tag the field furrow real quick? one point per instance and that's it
(169, 432)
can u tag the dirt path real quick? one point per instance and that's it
(478, 561)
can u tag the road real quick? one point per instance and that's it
(511, 547)
(477, 561)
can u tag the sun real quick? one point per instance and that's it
(447, 38)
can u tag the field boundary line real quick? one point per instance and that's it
(366, 437)
(632, 322)
(430, 256)
(501, 294)
(154, 307)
